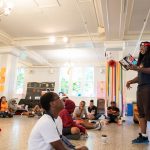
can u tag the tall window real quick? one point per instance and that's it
(77, 81)
(88, 82)
(76, 86)
(64, 80)
(20, 80)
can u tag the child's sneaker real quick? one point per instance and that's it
(140, 140)
(98, 126)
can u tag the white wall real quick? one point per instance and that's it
(45, 75)
(41, 75)
(129, 75)
(130, 94)
(9, 61)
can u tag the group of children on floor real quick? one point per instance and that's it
(75, 119)
(10, 108)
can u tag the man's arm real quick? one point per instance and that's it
(133, 81)
(139, 69)
(116, 113)
(75, 116)
(144, 70)
(109, 110)
(57, 145)
(89, 110)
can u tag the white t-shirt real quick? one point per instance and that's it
(78, 112)
(44, 132)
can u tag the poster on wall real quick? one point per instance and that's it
(34, 89)
(101, 92)
(2, 78)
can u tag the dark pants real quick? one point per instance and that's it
(66, 131)
(97, 116)
(112, 118)
(143, 101)
(5, 114)
(19, 111)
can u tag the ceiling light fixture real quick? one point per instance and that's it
(65, 39)
(5, 7)
(52, 39)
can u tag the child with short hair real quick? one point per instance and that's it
(4, 112)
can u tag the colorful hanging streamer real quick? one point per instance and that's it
(114, 84)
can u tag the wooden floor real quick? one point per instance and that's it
(15, 133)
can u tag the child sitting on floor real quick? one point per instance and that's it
(37, 110)
(4, 112)
(69, 126)
(80, 116)
(113, 113)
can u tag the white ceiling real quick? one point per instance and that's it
(92, 26)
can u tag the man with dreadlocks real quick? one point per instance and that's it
(143, 91)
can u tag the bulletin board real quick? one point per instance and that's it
(34, 89)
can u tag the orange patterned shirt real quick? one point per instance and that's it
(4, 106)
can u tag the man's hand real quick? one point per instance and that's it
(81, 108)
(134, 67)
(115, 113)
(109, 111)
(128, 85)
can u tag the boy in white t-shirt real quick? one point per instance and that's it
(44, 135)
